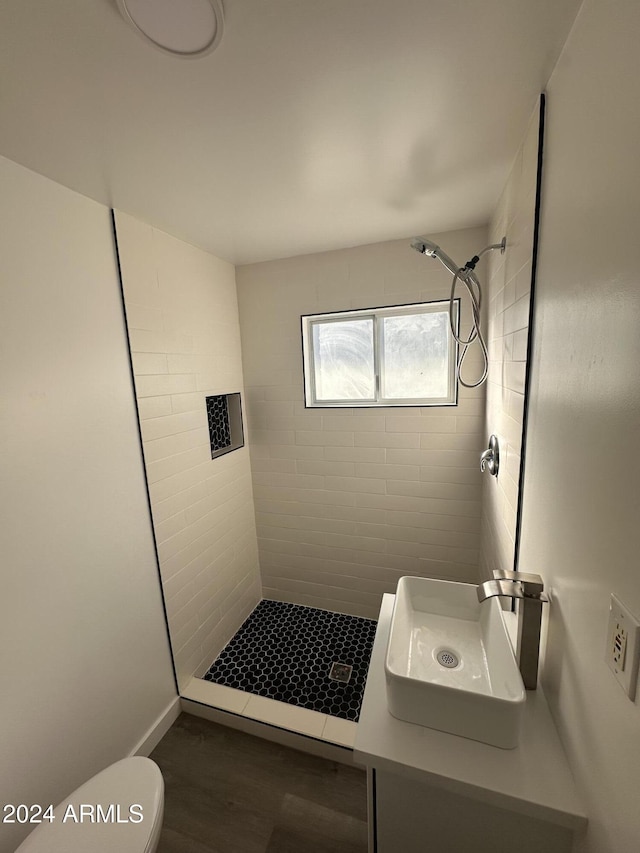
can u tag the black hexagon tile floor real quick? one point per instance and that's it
(311, 658)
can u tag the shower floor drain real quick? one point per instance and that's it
(447, 658)
(340, 672)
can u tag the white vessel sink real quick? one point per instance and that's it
(450, 665)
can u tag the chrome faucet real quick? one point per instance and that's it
(528, 589)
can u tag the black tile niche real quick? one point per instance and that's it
(224, 415)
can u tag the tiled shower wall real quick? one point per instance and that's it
(184, 338)
(349, 500)
(509, 280)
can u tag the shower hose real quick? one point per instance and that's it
(467, 276)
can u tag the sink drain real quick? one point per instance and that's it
(447, 658)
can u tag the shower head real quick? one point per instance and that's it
(431, 250)
(424, 246)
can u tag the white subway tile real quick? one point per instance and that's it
(271, 408)
(354, 454)
(281, 466)
(387, 472)
(512, 463)
(323, 552)
(180, 363)
(153, 407)
(294, 451)
(144, 317)
(154, 428)
(470, 425)
(153, 386)
(436, 458)
(272, 437)
(219, 494)
(355, 484)
(399, 563)
(171, 445)
(296, 481)
(445, 570)
(321, 496)
(470, 407)
(364, 423)
(287, 422)
(149, 363)
(517, 316)
(191, 402)
(520, 342)
(510, 489)
(324, 467)
(515, 376)
(161, 342)
(265, 520)
(283, 392)
(165, 529)
(523, 281)
(472, 476)
(467, 442)
(387, 439)
(320, 438)
(412, 423)
(432, 509)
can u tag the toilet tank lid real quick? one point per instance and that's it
(117, 809)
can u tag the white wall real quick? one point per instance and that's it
(182, 315)
(508, 292)
(349, 500)
(581, 527)
(84, 656)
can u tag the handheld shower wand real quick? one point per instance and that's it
(431, 250)
(468, 277)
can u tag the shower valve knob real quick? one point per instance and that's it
(490, 459)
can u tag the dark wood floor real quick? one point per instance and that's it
(229, 792)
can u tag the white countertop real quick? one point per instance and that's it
(533, 779)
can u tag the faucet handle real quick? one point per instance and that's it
(490, 459)
(531, 584)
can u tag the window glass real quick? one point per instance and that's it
(416, 355)
(343, 360)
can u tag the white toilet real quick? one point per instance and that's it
(119, 809)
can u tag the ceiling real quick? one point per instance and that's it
(315, 125)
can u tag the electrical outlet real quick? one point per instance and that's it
(623, 646)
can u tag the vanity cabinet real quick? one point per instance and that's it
(433, 792)
(416, 817)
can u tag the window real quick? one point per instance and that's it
(401, 356)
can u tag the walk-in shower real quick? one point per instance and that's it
(467, 276)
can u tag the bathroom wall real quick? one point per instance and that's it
(508, 293)
(581, 490)
(182, 317)
(84, 657)
(349, 500)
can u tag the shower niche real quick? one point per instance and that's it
(224, 415)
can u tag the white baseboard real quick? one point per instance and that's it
(159, 729)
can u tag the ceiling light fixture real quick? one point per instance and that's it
(186, 28)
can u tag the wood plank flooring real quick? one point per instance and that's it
(229, 792)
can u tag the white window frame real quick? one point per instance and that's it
(376, 314)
